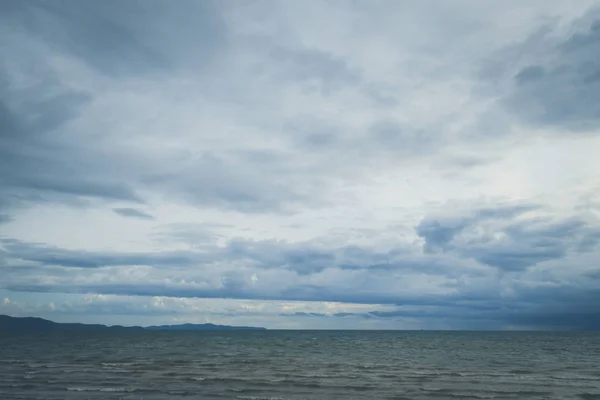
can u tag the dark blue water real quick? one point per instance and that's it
(301, 365)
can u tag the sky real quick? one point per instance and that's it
(301, 164)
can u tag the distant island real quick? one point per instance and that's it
(32, 324)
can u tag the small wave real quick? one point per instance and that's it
(238, 362)
(38, 365)
(484, 394)
(259, 398)
(521, 372)
(180, 392)
(120, 364)
(574, 378)
(71, 371)
(222, 380)
(19, 386)
(101, 389)
(447, 393)
(371, 366)
(387, 376)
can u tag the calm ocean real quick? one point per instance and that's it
(301, 365)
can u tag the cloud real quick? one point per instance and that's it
(233, 180)
(38, 163)
(506, 239)
(399, 159)
(47, 255)
(439, 232)
(485, 318)
(50, 154)
(208, 87)
(192, 234)
(453, 282)
(300, 258)
(132, 213)
(117, 38)
(307, 65)
(559, 84)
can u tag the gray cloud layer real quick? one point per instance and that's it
(493, 238)
(558, 84)
(497, 266)
(125, 106)
(132, 212)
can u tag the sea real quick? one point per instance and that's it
(294, 365)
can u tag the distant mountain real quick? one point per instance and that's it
(32, 324)
(35, 325)
(203, 327)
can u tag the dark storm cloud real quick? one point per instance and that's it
(42, 160)
(133, 213)
(497, 239)
(564, 306)
(38, 268)
(557, 308)
(37, 161)
(560, 87)
(439, 232)
(538, 301)
(53, 150)
(304, 259)
(34, 167)
(593, 274)
(526, 244)
(47, 255)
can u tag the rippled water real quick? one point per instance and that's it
(301, 365)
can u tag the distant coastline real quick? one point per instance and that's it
(10, 324)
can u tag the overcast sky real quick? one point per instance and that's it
(301, 164)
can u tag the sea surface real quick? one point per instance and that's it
(301, 365)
